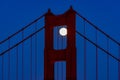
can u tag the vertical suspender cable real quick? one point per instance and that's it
(96, 55)
(84, 50)
(31, 58)
(9, 60)
(119, 64)
(17, 63)
(22, 56)
(3, 67)
(107, 59)
(62, 63)
(57, 48)
(36, 52)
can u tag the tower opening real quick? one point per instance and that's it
(60, 70)
(60, 37)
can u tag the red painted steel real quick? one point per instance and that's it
(69, 54)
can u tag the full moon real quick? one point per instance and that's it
(63, 31)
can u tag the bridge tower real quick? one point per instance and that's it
(68, 54)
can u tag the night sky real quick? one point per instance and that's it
(104, 13)
(16, 14)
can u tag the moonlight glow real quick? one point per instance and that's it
(63, 31)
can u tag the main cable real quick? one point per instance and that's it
(25, 27)
(97, 28)
(106, 52)
(21, 41)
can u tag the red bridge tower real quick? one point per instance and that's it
(68, 54)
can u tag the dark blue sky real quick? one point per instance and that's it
(15, 14)
(104, 13)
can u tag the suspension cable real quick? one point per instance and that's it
(96, 55)
(2, 67)
(62, 62)
(96, 27)
(17, 63)
(57, 48)
(106, 52)
(119, 64)
(36, 52)
(8, 60)
(107, 59)
(25, 27)
(22, 56)
(21, 41)
(31, 58)
(85, 44)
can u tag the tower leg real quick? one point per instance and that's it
(71, 67)
(49, 72)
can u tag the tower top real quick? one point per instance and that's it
(69, 10)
